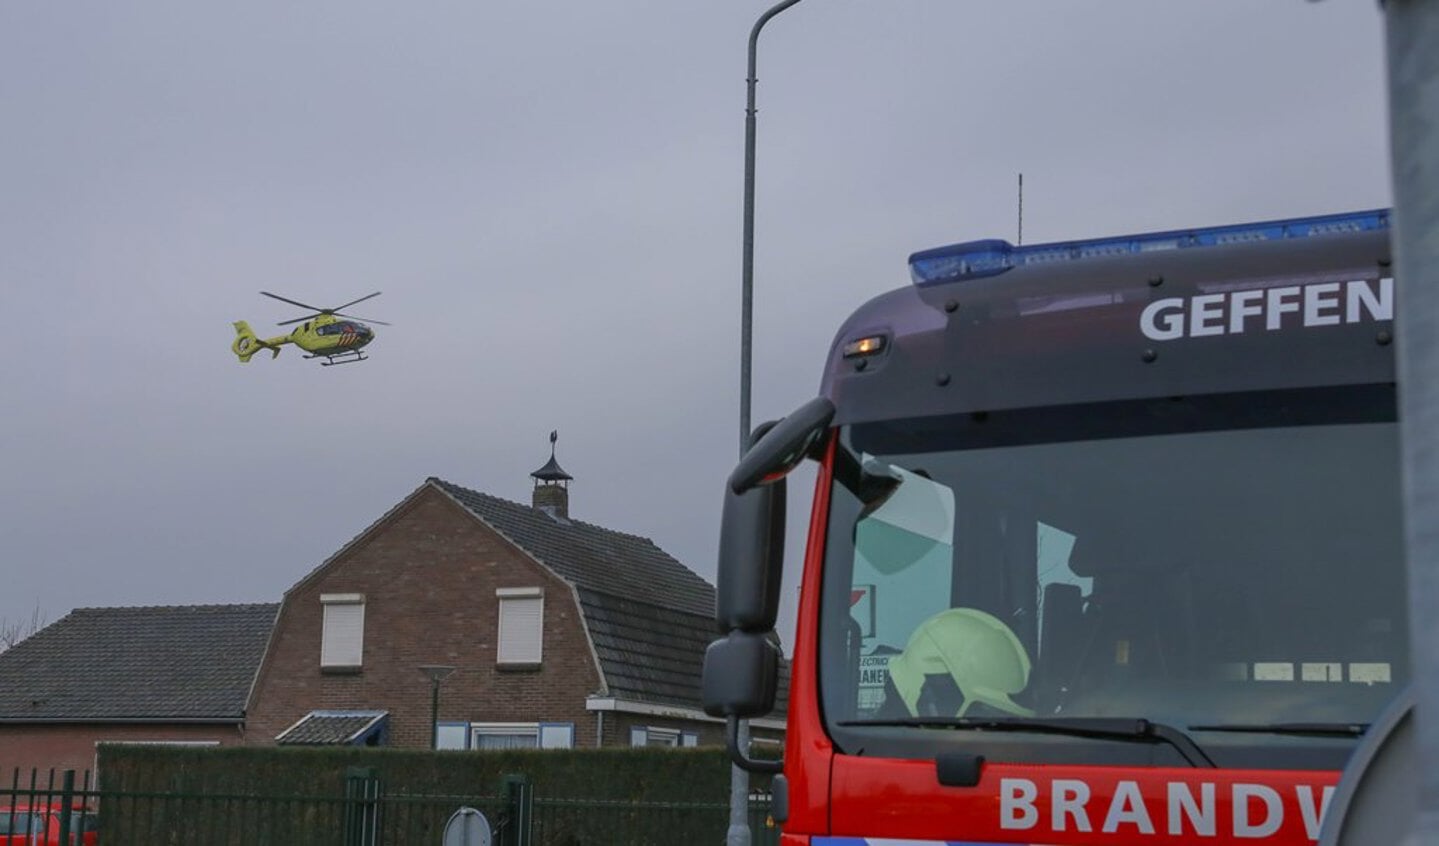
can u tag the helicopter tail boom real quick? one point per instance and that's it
(247, 343)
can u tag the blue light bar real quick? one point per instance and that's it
(974, 259)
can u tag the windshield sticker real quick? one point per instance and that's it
(861, 607)
(1325, 671)
(1273, 671)
(873, 675)
(1369, 673)
(1268, 309)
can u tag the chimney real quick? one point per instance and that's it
(552, 491)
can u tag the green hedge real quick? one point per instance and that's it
(649, 774)
(293, 796)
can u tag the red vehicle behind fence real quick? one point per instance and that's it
(39, 825)
(1105, 546)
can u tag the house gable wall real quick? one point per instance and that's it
(428, 571)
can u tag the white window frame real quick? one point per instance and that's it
(546, 735)
(444, 729)
(478, 730)
(662, 736)
(523, 648)
(335, 655)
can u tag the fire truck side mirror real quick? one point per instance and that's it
(740, 681)
(751, 553)
(751, 559)
(783, 445)
(740, 676)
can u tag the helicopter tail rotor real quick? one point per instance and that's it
(246, 343)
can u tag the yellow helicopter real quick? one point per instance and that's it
(322, 334)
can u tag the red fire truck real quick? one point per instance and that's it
(1105, 545)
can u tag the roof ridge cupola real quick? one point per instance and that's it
(552, 494)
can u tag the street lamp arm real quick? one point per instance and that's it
(747, 285)
(754, 41)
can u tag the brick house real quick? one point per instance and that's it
(513, 624)
(176, 674)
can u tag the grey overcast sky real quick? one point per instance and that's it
(549, 195)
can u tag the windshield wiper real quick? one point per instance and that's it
(1109, 728)
(1311, 729)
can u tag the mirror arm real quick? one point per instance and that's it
(777, 447)
(742, 760)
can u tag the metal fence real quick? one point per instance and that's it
(66, 808)
(572, 822)
(46, 809)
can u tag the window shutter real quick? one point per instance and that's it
(452, 736)
(343, 640)
(521, 629)
(557, 735)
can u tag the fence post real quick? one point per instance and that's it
(67, 801)
(362, 806)
(520, 807)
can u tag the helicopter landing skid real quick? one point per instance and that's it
(340, 358)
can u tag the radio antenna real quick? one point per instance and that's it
(1021, 209)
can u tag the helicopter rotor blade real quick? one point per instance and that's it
(352, 302)
(301, 319)
(362, 319)
(294, 303)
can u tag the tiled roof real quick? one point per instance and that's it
(593, 557)
(187, 662)
(649, 616)
(648, 652)
(332, 728)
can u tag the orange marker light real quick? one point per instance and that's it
(864, 346)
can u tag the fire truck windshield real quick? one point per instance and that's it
(1220, 564)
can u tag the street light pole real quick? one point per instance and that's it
(1412, 34)
(747, 284)
(436, 673)
(738, 834)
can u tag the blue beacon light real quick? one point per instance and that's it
(977, 259)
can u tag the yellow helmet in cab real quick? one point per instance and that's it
(978, 651)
